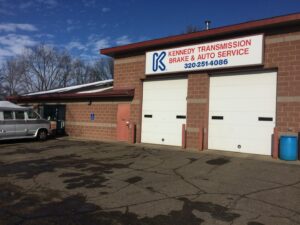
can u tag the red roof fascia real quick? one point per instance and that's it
(115, 93)
(252, 25)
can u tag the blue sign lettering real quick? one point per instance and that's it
(157, 62)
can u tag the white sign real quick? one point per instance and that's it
(243, 51)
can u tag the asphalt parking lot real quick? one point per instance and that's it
(84, 182)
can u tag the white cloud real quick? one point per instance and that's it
(70, 28)
(72, 25)
(89, 3)
(13, 27)
(69, 21)
(26, 5)
(76, 45)
(48, 3)
(6, 12)
(123, 40)
(105, 9)
(7, 8)
(102, 43)
(96, 42)
(5, 53)
(44, 35)
(14, 44)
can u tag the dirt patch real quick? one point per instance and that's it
(91, 173)
(133, 180)
(192, 160)
(254, 223)
(218, 161)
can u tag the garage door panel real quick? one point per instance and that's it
(241, 107)
(243, 118)
(164, 106)
(229, 104)
(164, 100)
(222, 143)
(167, 139)
(230, 91)
(167, 134)
(241, 137)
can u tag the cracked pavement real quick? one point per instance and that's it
(84, 182)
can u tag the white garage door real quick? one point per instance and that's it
(242, 111)
(164, 111)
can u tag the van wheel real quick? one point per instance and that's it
(42, 135)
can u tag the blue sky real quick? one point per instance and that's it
(85, 26)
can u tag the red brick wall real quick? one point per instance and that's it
(197, 108)
(128, 73)
(283, 52)
(93, 133)
(78, 123)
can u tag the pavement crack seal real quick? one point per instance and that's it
(201, 191)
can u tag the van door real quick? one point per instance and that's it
(33, 122)
(1, 125)
(21, 125)
(8, 126)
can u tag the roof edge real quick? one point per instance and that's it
(115, 93)
(250, 25)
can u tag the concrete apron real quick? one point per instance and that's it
(220, 153)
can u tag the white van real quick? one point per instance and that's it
(20, 122)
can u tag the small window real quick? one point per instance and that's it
(19, 115)
(8, 115)
(32, 115)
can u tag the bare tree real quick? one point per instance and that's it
(102, 69)
(46, 68)
(80, 72)
(11, 77)
(66, 77)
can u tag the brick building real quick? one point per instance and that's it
(225, 88)
(86, 111)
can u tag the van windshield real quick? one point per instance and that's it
(32, 115)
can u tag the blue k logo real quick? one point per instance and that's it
(157, 62)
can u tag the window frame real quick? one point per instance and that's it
(16, 112)
(12, 114)
(27, 115)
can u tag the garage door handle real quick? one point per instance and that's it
(265, 118)
(217, 117)
(147, 116)
(180, 117)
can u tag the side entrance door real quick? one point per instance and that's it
(123, 117)
(56, 113)
(61, 117)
